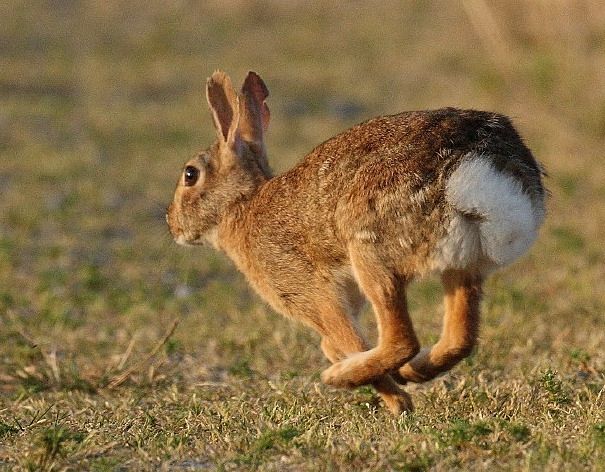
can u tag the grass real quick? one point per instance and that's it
(120, 351)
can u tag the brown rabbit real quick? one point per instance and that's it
(450, 191)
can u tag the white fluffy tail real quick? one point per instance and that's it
(497, 220)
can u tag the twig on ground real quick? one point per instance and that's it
(49, 357)
(495, 40)
(124, 357)
(121, 378)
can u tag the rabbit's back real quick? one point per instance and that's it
(414, 186)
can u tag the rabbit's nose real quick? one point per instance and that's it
(169, 215)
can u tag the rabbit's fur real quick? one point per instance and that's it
(448, 191)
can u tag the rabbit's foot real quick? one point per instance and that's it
(357, 369)
(398, 403)
(429, 363)
(417, 370)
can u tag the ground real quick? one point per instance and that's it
(121, 351)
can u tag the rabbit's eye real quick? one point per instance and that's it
(191, 175)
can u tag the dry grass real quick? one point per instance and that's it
(101, 102)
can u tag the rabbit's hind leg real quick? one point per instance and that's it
(460, 328)
(397, 342)
(395, 399)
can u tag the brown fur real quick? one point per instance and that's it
(357, 218)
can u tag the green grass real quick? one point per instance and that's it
(102, 102)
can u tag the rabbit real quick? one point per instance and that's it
(449, 192)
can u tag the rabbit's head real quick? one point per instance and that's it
(228, 171)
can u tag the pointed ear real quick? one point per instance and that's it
(224, 105)
(254, 115)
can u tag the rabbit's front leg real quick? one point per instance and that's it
(460, 329)
(395, 399)
(397, 342)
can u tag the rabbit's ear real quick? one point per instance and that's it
(254, 116)
(224, 105)
(255, 112)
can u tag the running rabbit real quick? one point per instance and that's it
(448, 191)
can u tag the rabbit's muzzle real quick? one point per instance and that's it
(173, 225)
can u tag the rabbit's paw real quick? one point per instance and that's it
(398, 403)
(358, 369)
(417, 370)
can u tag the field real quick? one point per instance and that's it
(120, 350)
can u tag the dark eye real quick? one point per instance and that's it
(191, 175)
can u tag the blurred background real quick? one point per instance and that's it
(101, 102)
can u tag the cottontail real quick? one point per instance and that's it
(449, 191)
